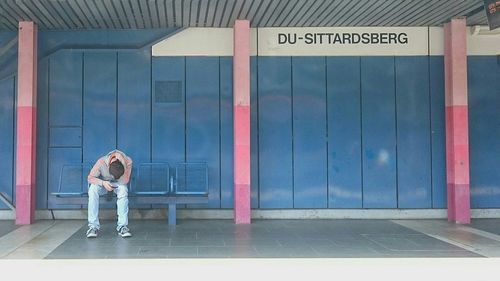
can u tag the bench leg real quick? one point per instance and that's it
(172, 210)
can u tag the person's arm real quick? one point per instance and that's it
(128, 170)
(93, 177)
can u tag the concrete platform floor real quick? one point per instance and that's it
(286, 243)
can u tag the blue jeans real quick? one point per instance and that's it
(121, 205)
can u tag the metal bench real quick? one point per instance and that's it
(150, 183)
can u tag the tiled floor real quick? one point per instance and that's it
(6, 226)
(154, 239)
(291, 249)
(261, 239)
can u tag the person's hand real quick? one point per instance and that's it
(107, 185)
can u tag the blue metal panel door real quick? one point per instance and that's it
(202, 119)
(58, 157)
(65, 112)
(309, 132)
(169, 119)
(65, 85)
(378, 132)
(7, 98)
(438, 131)
(484, 131)
(413, 132)
(99, 105)
(344, 132)
(275, 132)
(226, 132)
(134, 105)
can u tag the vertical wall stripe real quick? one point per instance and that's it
(42, 133)
(168, 119)
(99, 105)
(66, 84)
(379, 132)
(344, 132)
(202, 113)
(26, 124)
(254, 136)
(275, 132)
(309, 133)
(226, 132)
(484, 102)
(134, 104)
(438, 134)
(413, 132)
(457, 129)
(241, 101)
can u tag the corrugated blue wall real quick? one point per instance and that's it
(327, 132)
(350, 132)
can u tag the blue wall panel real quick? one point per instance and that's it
(7, 113)
(99, 105)
(484, 131)
(309, 132)
(65, 110)
(275, 132)
(344, 132)
(65, 137)
(169, 120)
(438, 131)
(134, 105)
(65, 85)
(202, 119)
(57, 158)
(254, 134)
(8, 60)
(378, 132)
(226, 132)
(413, 132)
(42, 137)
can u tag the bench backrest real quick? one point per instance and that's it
(184, 178)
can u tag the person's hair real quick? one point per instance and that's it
(116, 169)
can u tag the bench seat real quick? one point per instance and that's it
(169, 190)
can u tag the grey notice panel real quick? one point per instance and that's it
(492, 8)
(168, 92)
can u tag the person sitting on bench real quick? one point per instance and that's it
(110, 173)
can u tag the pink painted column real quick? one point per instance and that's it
(241, 111)
(26, 123)
(457, 128)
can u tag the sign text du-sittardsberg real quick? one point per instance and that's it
(344, 38)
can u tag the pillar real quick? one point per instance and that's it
(457, 128)
(26, 123)
(241, 113)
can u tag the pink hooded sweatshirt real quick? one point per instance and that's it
(100, 171)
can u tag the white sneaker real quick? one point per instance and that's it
(124, 232)
(92, 232)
